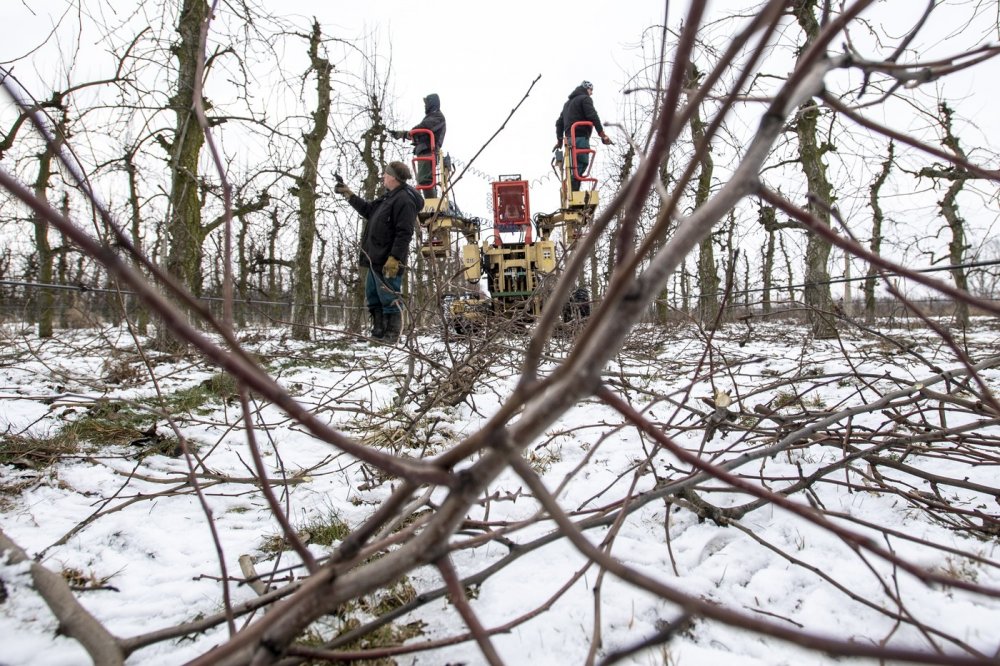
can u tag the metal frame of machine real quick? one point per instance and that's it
(515, 269)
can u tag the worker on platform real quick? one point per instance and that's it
(579, 107)
(435, 122)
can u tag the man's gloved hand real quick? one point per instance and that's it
(391, 268)
(557, 146)
(343, 190)
(605, 139)
(399, 134)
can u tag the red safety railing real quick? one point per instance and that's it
(511, 208)
(432, 158)
(574, 153)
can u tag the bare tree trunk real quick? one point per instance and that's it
(817, 277)
(768, 220)
(876, 240)
(949, 211)
(340, 284)
(319, 314)
(304, 296)
(685, 288)
(789, 273)
(731, 253)
(597, 282)
(746, 282)
(663, 299)
(956, 248)
(708, 276)
(184, 227)
(140, 313)
(272, 256)
(242, 275)
(45, 297)
(62, 261)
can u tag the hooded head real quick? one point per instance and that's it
(585, 88)
(432, 103)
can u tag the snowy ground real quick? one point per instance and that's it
(123, 520)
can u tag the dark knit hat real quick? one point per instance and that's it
(399, 171)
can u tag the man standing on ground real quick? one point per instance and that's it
(579, 107)
(385, 243)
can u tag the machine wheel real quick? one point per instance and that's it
(578, 307)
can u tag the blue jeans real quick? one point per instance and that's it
(383, 292)
(582, 160)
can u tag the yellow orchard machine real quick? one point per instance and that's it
(520, 259)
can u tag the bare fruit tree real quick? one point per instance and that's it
(305, 186)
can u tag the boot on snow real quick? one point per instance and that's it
(393, 327)
(378, 323)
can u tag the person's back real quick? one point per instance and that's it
(435, 122)
(579, 107)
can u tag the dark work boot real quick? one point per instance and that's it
(378, 323)
(393, 326)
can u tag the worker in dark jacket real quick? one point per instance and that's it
(385, 243)
(435, 122)
(579, 107)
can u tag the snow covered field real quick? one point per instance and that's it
(918, 474)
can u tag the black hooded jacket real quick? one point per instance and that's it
(389, 222)
(434, 121)
(578, 107)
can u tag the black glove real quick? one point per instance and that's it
(399, 134)
(343, 190)
(557, 146)
(605, 139)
